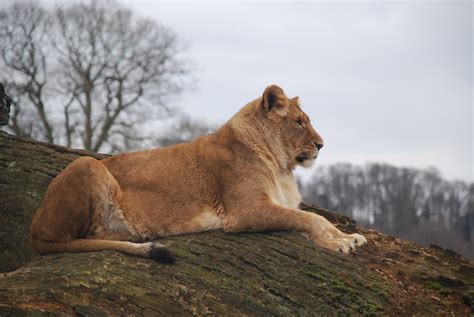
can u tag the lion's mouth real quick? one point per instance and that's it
(304, 157)
(301, 158)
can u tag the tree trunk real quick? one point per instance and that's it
(215, 273)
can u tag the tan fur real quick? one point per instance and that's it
(239, 178)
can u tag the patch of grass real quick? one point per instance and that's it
(438, 287)
(468, 298)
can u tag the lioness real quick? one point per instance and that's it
(239, 178)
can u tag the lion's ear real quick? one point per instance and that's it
(295, 100)
(275, 100)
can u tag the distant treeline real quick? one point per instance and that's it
(417, 204)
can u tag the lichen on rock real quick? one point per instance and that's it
(262, 274)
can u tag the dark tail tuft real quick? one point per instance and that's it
(162, 254)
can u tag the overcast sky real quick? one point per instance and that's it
(387, 82)
(381, 81)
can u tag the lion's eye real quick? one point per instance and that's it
(299, 122)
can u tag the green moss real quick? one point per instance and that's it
(442, 290)
(468, 298)
(433, 285)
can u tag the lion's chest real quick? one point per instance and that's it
(286, 191)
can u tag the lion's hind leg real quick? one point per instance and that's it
(81, 212)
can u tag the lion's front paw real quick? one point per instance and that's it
(358, 239)
(349, 243)
(345, 244)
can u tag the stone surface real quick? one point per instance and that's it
(271, 274)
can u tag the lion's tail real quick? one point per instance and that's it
(152, 250)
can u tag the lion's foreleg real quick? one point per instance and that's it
(273, 217)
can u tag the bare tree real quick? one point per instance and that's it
(5, 103)
(89, 74)
(24, 29)
(400, 201)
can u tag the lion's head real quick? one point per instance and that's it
(301, 143)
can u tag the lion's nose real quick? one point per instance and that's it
(319, 145)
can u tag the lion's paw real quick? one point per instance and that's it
(358, 239)
(350, 242)
(339, 245)
(346, 245)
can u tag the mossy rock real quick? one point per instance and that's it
(273, 274)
